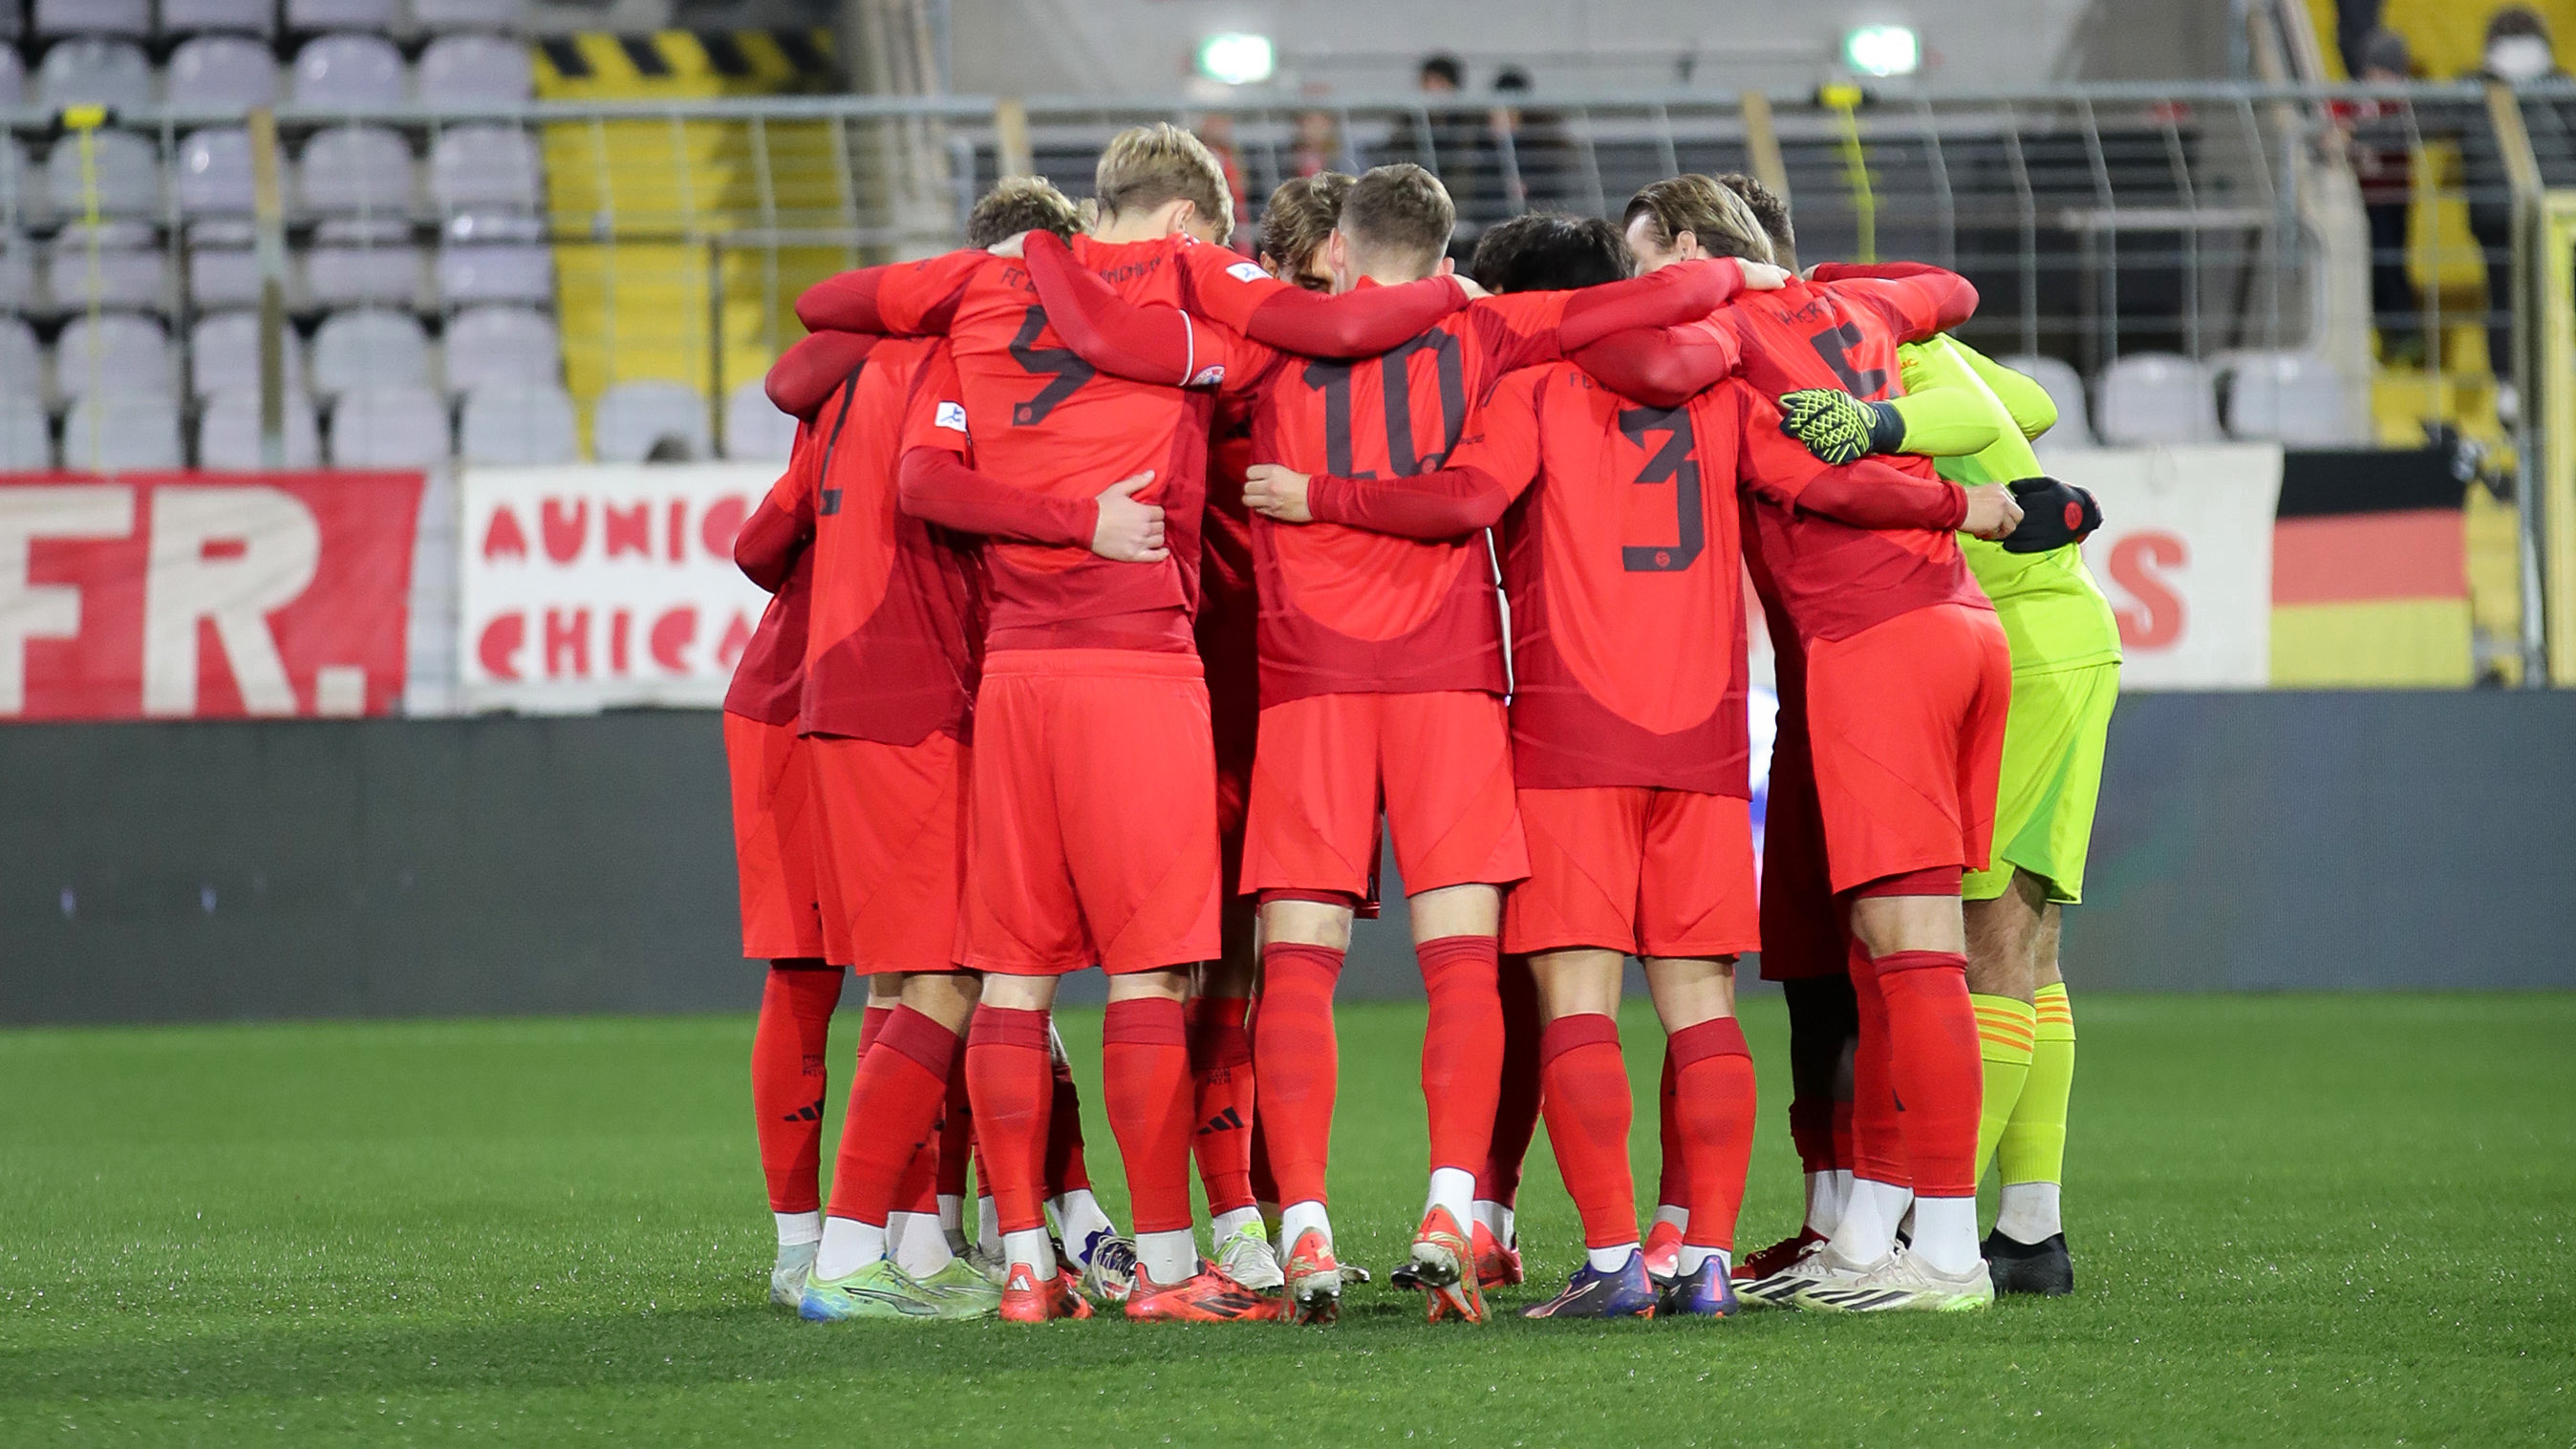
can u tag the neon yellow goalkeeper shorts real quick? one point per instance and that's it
(2052, 779)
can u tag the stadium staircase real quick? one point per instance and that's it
(656, 219)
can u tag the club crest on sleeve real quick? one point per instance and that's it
(951, 415)
(1246, 272)
(1208, 376)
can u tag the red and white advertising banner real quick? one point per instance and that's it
(2185, 554)
(584, 588)
(178, 596)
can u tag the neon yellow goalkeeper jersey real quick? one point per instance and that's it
(2054, 615)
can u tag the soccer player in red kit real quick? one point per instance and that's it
(1906, 680)
(1092, 823)
(1381, 680)
(776, 841)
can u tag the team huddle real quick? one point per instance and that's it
(1131, 595)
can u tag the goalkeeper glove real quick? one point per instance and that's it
(1839, 428)
(2053, 515)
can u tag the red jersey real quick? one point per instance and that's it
(1621, 556)
(1349, 611)
(890, 654)
(1046, 421)
(1838, 330)
(773, 549)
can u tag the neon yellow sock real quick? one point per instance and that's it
(2033, 1147)
(2003, 1041)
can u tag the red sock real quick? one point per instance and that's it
(1265, 1183)
(1672, 1184)
(1221, 1088)
(1587, 1122)
(1516, 1099)
(788, 1078)
(1842, 1136)
(1462, 1047)
(1934, 1067)
(1145, 1078)
(956, 1131)
(1006, 1074)
(896, 1095)
(1298, 1062)
(1878, 1135)
(1062, 1169)
(1713, 1072)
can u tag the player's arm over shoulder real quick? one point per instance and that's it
(1228, 287)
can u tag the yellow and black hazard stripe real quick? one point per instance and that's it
(684, 64)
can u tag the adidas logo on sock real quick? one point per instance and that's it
(811, 1112)
(1225, 1121)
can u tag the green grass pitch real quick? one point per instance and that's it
(2330, 1220)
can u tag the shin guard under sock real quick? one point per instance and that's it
(1297, 1060)
(1516, 1097)
(1462, 1048)
(789, 1075)
(1145, 1082)
(1714, 1104)
(1933, 1066)
(2004, 1027)
(1222, 1088)
(1587, 1108)
(1008, 1078)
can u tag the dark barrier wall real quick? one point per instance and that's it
(206, 871)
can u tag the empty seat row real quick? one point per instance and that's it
(2158, 397)
(234, 73)
(347, 169)
(486, 347)
(136, 18)
(344, 267)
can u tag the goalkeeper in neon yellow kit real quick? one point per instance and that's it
(1974, 419)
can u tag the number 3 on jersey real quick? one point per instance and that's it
(1669, 463)
(1067, 371)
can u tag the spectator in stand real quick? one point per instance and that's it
(1455, 148)
(1535, 157)
(2383, 158)
(2518, 53)
(1318, 147)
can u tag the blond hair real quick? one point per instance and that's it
(1399, 215)
(1148, 166)
(1705, 208)
(1017, 204)
(1301, 213)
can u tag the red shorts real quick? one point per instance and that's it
(1802, 930)
(894, 830)
(1642, 871)
(774, 840)
(1091, 835)
(1907, 721)
(1439, 764)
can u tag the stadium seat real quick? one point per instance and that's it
(94, 71)
(22, 184)
(221, 72)
(306, 15)
(22, 362)
(228, 432)
(475, 70)
(132, 354)
(502, 347)
(26, 444)
(111, 432)
(357, 262)
(349, 72)
(2157, 397)
(477, 167)
(389, 426)
(357, 169)
(635, 418)
(17, 273)
(247, 17)
(223, 354)
(2295, 397)
(222, 272)
(370, 347)
(519, 426)
(506, 16)
(212, 176)
(93, 17)
(2065, 387)
(127, 171)
(13, 77)
(754, 427)
(496, 272)
(131, 269)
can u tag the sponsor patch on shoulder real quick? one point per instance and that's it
(1208, 376)
(1246, 272)
(951, 415)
